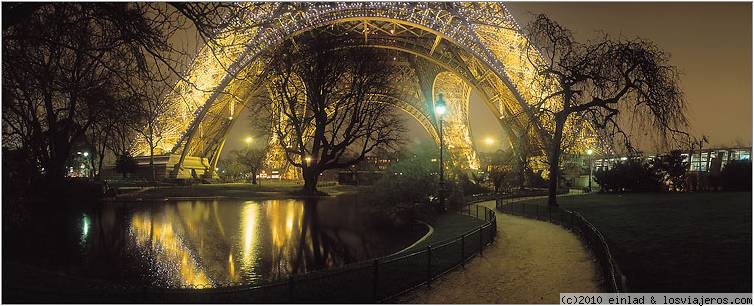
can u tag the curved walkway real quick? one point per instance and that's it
(530, 262)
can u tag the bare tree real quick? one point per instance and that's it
(65, 65)
(321, 110)
(60, 60)
(252, 159)
(150, 107)
(597, 81)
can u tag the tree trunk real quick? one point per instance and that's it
(253, 177)
(99, 164)
(151, 162)
(310, 180)
(56, 168)
(151, 150)
(554, 159)
(522, 173)
(55, 174)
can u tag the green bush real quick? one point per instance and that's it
(736, 176)
(412, 184)
(411, 180)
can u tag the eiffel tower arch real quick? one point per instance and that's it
(450, 48)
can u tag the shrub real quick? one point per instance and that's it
(469, 186)
(631, 175)
(410, 180)
(415, 180)
(736, 176)
(673, 168)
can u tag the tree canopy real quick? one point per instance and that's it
(609, 86)
(320, 108)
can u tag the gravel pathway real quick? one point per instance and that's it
(530, 262)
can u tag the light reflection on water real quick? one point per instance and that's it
(200, 243)
(206, 243)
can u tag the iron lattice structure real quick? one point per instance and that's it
(450, 48)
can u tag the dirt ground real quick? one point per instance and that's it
(531, 262)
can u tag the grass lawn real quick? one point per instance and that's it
(448, 226)
(675, 242)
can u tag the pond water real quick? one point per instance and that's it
(201, 242)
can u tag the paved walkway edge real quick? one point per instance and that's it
(427, 235)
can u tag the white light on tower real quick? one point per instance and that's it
(440, 109)
(589, 152)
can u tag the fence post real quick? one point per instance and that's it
(429, 265)
(549, 214)
(481, 244)
(463, 252)
(477, 211)
(494, 225)
(376, 280)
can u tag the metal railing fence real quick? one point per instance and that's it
(614, 281)
(369, 281)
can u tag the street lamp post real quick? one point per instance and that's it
(440, 111)
(589, 152)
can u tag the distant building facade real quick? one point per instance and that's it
(704, 166)
(366, 172)
(700, 161)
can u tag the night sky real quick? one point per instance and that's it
(709, 42)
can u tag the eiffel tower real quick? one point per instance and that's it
(450, 48)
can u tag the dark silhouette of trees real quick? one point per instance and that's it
(230, 170)
(736, 176)
(96, 73)
(321, 112)
(597, 81)
(149, 107)
(252, 159)
(70, 69)
(125, 164)
(634, 174)
(673, 168)
(502, 169)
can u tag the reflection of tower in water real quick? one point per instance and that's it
(249, 240)
(199, 243)
(284, 223)
(156, 236)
